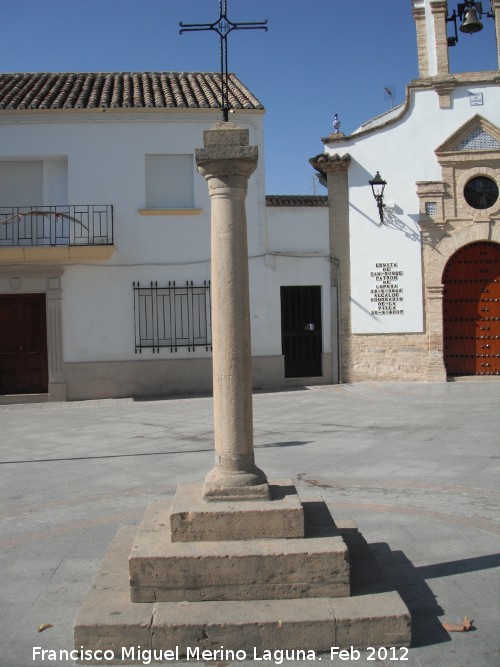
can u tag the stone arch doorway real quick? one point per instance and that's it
(471, 310)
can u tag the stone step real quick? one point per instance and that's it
(192, 519)
(12, 399)
(257, 569)
(109, 621)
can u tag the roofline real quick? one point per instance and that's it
(123, 110)
(447, 83)
(118, 71)
(296, 201)
(152, 90)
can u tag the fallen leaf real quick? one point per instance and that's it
(44, 626)
(465, 626)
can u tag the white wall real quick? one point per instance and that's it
(105, 157)
(267, 275)
(297, 229)
(297, 253)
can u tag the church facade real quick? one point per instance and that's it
(416, 279)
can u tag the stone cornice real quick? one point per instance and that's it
(334, 137)
(438, 5)
(326, 162)
(462, 78)
(418, 10)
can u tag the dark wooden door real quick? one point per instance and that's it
(471, 311)
(23, 344)
(301, 337)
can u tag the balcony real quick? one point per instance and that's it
(56, 233)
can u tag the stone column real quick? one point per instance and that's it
(495, 5)
(439, 10)
(334, 168)
(57, 382)
(422, 45)
(435, 371)
(226, 162)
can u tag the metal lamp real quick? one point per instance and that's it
(378, 186)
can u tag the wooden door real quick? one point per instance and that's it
(23, 344)
(471, 311)
(301, 335)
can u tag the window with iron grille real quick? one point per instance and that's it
(172, 316)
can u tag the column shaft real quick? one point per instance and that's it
(232, 371)
(226, 162)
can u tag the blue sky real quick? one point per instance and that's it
(318, 58)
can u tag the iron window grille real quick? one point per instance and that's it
(72, 225)
(172, 316)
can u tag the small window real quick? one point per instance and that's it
(21, 183)
(169, 181)
(481, 192)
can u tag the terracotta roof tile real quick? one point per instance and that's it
(296, 200)
(206, 91)
(121, 90)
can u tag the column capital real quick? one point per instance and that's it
(326, 162)
(434, 291)
(232, 172)
(226, 154)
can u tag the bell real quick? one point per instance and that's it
(471, 21)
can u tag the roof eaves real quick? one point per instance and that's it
(42, 91)
(296, 201)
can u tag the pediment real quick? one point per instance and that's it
(476, 135)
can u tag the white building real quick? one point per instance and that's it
(104, 242)
(418, 289)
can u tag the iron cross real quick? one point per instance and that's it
(223, 26)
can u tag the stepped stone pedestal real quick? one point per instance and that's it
(181, 598)
(238, 563)
(274, 562)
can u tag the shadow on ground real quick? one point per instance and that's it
(411, 583)
(375, 568)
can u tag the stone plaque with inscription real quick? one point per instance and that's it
(386, 295)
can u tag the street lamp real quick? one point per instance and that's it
(378, 186)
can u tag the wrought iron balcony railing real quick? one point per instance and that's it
(71, 225)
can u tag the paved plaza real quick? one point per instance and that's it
(416, 466)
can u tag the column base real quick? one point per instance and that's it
(226, 485)
(57, 391)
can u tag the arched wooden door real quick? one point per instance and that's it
(471, 310)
